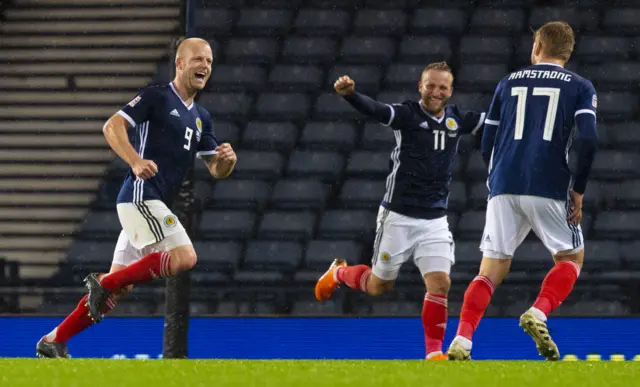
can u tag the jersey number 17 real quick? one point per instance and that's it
(520, 92)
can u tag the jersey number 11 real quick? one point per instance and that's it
(521, 93)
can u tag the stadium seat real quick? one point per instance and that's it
(347, 224)
(621, 20)
(258, 278)
(617, 105)
(480, 78)
(372, 22)
(273, 256)
(629, 254)
(263, 21)
(367, 50)
(615, 165)
(427, 21)
(599, 49)
(315, 164)
(623, 136)
(332, 105)
(419, 50)
(295, 78)
(224, 225)
(617, 225)
(280, 106)
(299, 194)
(239, 194)
(366, 77)
(478, 196)
(471, 225)
(101, 226)
(287, 225)
(378, 137)
(321, 252)
(362, 193)
(497, 21)
(321, 22)
(477, 169)
(305, 50)
(227, 105)
(226, 77)
(225, 131)
(214, 21)
(251, 51)
(485, 49)
(621, 195)
(222, 256)
(258, 164)
(472, 101)
(328, 135)
(261, 135)
(617, 76)
(91, 253)
(457, 200)
(601, 256)
(403, 76)
(368, 164)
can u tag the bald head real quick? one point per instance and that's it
(190, 45)
(194, 58)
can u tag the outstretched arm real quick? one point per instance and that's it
(383, 113)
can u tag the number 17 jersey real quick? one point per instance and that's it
(170, 133)
(534, 110)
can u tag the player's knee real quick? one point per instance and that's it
(437, 283)
(377, 286)
(576, 257)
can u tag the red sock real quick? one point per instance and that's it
(434, 321)
(355, 277)
(77, 321)
(556, 286)
(152, 266)
(476, 300)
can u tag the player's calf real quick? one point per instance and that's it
(434, 312)
(558, 283)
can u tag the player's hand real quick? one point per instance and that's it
(575, 216)
(344, 85)
(226, 153)
(144, 169)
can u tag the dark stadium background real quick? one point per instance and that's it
(311, 171)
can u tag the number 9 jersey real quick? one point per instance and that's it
(529, 128)
(170, 133)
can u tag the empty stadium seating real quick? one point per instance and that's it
(311, 171)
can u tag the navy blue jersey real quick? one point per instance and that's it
(170, 133)
(421, 163)
(529, 129)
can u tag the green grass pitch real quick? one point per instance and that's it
(282, 373)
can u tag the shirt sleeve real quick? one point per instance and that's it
(401, 116)
(587, 100)
(491, 125)
(473, 122)
(208, 142)
(140, 108)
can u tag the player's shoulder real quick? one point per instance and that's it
(155, 90)
(204, 113)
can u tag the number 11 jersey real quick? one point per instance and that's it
(170, 133)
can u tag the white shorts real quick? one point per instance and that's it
(147, 222)
(147, 227)
(125, 254)
(510, 218)
(400, 237)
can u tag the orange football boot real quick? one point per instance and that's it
(327, 284)
(440, 356)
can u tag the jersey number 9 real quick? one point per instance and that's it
(187, 135)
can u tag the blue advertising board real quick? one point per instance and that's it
(323, 338)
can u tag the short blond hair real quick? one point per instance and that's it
(438, 66)
(557, 39)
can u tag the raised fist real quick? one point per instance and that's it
(344, 85)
